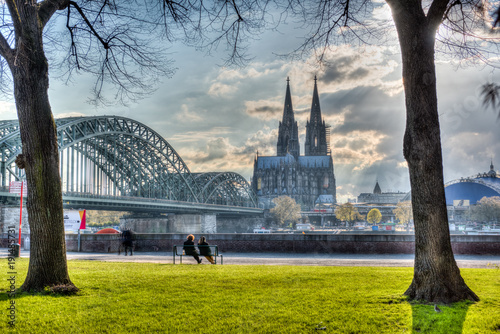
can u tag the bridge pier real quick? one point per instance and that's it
(172, 223)
(9, 216)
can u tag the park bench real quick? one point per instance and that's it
(178, 250)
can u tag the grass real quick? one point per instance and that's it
(165, 298)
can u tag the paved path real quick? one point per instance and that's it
(385, 260)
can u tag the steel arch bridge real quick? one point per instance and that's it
(118, 156)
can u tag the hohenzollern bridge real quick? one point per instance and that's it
(117, 163)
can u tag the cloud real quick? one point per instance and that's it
(264, 109)
(218, 118)
(218, 155)
(196, 136)
(7, 110)
(70, 114)
(219, 89)
(188, 116)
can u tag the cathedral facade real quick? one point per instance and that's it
(309, 179)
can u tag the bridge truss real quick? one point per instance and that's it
(118, 156)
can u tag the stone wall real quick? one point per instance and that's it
(191, 223)
(9, 216)
(289, 243)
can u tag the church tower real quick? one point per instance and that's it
(288, 133)
(316, 134)
(309, 179)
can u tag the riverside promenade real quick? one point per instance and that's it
(232, 258)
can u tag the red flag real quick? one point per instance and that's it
(83, 219)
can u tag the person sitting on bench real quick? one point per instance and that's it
(205, 250)
(190, 250)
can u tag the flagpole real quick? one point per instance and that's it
(21, 214)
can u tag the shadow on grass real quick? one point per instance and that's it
(449, 320)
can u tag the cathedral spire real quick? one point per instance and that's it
(315, 117)
(288, 116)
(316, 139)
(288, 133)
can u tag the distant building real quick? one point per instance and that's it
(308, 179)
(464, 193)
(378, 197)
(385, 202)
(470, 190)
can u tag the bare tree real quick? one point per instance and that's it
(286, 211)
(436, 274)
(119, 43)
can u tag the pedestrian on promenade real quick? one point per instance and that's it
(189, 248)
(205, 250)
(127, 242)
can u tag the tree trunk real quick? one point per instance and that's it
(436, 275)
(47, 265)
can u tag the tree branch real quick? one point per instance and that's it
(436, 13)
(14, 15)
(91, 27)
(74, 51)
(47, 8)
(5, 50)
(240, 19)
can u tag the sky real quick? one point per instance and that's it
(218, 118)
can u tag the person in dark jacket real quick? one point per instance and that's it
(191, 250)
(128, 238)
(205, 249)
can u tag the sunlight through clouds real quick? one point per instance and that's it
(7, 110)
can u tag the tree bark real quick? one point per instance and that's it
(47, 265)
(436, 275)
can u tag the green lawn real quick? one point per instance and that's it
(165, 298)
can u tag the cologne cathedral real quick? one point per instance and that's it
(309, 179)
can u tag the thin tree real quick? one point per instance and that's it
(286, 211)
(348, 213)
(404, 213)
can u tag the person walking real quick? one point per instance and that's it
(189, 248)
(205, 249)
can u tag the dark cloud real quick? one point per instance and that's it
(366, 109)
(343, 69)
(333, 74)
(357, 145)
(264, 110)
(358, 74)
